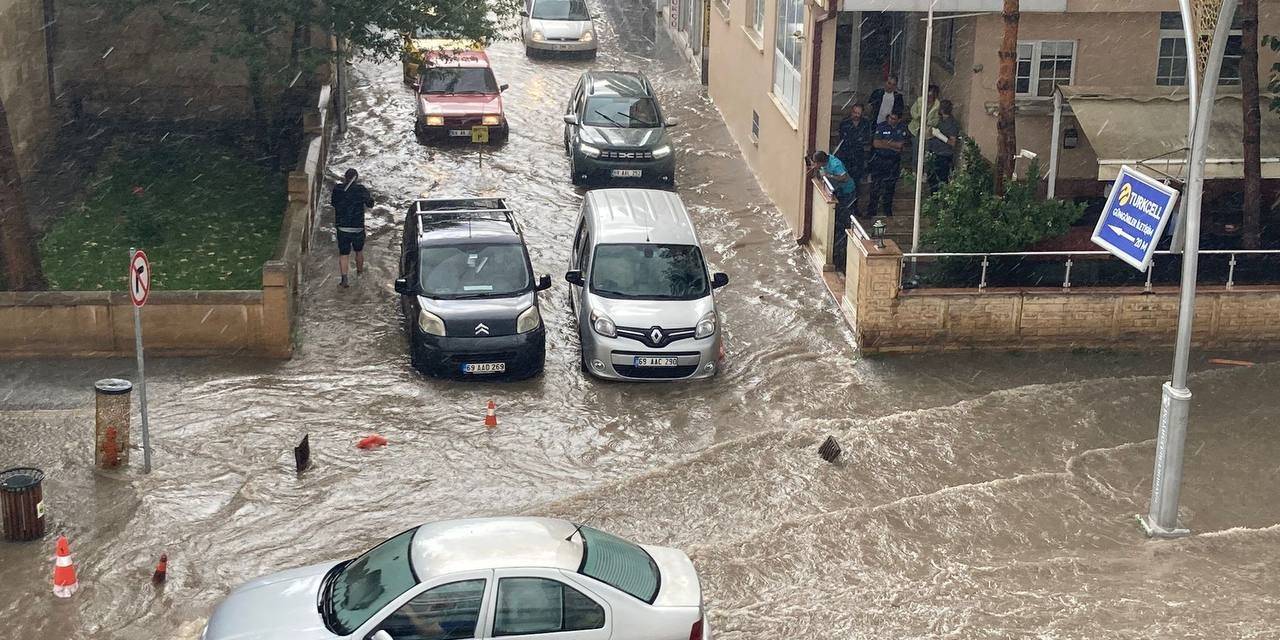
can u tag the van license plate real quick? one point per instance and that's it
(484, 367)
(649, 361)
(626, 173)
(460, 133)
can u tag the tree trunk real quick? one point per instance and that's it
(1252, 125)
(22, 270)
(1006, 125)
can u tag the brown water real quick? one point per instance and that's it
(981, 496)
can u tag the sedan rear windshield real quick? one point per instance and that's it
(459, 80)
(649, 272)
(617, 111)
(560, 10)
(473, 271)
(619, 564)
(367, 584)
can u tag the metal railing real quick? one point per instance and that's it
(1070, 260)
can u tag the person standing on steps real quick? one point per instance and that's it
(887, 100)
(349, 200)
(890, 138)
(855, 143)
(942, 147)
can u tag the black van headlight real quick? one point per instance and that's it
(430, 323)
(529, 320)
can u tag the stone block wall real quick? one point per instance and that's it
(886, 318)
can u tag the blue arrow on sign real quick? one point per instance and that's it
(1134, 218)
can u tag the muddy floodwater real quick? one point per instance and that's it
(979, 496)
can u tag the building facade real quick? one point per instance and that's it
(784, 71)
(686, 21)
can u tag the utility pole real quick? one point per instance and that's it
(925, 133)
(1161, 520)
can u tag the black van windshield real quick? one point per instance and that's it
(649, 271)
(473, 271)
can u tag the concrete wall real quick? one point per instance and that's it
(888, 319)
(741, 81)
(24, 79)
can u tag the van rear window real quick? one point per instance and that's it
(619, 564)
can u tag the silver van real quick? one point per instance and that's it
(640, 289)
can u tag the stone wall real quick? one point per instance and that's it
(24, 79)
(886, 318)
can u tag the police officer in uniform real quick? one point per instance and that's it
(888, 142)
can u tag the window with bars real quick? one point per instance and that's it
(1171, 64)
(1043, 65)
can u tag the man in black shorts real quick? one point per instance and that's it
(349, 201)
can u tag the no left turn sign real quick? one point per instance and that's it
(139, 278)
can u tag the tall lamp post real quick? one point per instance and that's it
(1161, 520)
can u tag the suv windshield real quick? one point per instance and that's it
(560, 10)
(619, 111)
(367, 584)
(473, 271)
(458, 80)
(619, 564)
(649, 271)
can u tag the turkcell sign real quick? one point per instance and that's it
(1135, 216)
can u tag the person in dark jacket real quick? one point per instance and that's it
(855, 143)
(942, 146)
(349, 200)
(890, 138)
(887, 100)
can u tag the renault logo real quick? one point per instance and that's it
(655, 335)
(482, 330)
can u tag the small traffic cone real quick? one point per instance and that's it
(162, 569)
(64, 572)
(491, 415)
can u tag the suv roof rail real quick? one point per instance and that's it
(465, 208)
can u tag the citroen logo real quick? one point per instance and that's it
(482, 330)
(655, 335)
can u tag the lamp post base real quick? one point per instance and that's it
(1154, 530)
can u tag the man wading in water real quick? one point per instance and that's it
(349, 201)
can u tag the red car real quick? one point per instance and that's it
(456, 93)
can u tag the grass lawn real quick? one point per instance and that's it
(207, 215)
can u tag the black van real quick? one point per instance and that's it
(467, 290)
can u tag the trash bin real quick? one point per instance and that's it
(111, 423)
(22, 504)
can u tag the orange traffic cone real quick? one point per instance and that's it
(64, 572)
(162, 569)
(491, 415)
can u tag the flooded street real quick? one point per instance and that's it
(980, 495)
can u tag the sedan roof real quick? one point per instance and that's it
(455, 546)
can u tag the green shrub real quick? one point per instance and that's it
(970, 218)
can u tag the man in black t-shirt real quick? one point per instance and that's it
(349, 201)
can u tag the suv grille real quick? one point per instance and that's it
(617, 154)
(655, 336)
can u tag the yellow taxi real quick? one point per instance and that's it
(423, 40)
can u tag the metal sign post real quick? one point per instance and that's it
(139, 290)
(480, 136)
(1161, 520)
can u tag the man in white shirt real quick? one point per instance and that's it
(887, 100)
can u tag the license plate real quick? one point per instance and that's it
(484, 367)
(460, 133)
(626, 173)
(649, 361)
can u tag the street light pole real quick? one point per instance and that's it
(1190, 36)
(1161, 520)
(924, 123)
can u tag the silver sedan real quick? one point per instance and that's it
(481, 578)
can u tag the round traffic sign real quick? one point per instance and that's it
(139, 278)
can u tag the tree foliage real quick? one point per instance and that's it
(970, 217)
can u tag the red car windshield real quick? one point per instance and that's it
(447, 80)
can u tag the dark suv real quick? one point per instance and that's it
(467, 290)
(614, 129)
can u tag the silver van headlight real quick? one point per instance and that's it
(430, 323)
(603, 325)
(706, 326)
(529, 320)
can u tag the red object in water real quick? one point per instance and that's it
(372, 442)
(162, 569)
